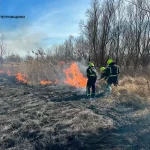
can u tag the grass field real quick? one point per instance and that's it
(39, 117)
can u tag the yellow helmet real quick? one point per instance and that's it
(109, 61)
(91, 65)
(102, 69)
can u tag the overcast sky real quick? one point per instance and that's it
(46, 22)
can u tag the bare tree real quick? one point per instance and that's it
(114, 29)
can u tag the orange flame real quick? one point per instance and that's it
(20, 78)
(74, 77)
(43, 82)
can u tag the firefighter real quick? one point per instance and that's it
(103, 73)
(92, 77)
(110, 75)
(112, 72)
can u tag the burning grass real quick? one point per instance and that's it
(44, 72)
(30, 118)
(74, 77)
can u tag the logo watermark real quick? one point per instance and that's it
(15, 17)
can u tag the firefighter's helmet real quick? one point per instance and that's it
(109, 61)
(102, 69)
(91, 65)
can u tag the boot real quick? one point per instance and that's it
(93, 95)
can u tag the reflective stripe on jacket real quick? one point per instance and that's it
(91, 72)
(112, 70)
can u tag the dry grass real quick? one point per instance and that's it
(132, 92)
(129, 85)
(37, 70)
(12, 67)
(34, 120)
(46, 70)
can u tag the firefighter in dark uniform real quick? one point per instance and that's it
(110, 75)
(112, 72)
(92, 77)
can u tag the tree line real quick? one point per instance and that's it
(116, 29)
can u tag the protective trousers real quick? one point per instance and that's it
(108, 90)
(91, 84)
(113, 80)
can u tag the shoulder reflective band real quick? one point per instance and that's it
(117, 69)
(90, 70)
(112, 75)
(110, 70)
(92, 75)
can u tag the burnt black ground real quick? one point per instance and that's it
(53, 118)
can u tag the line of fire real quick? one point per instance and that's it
(73, 77)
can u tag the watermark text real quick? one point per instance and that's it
(15, 17)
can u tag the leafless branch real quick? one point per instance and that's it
(138, 6)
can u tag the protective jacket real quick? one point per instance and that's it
(91, 72)
(112, 72)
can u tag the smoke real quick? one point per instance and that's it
(21, 41)
(82, 66)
